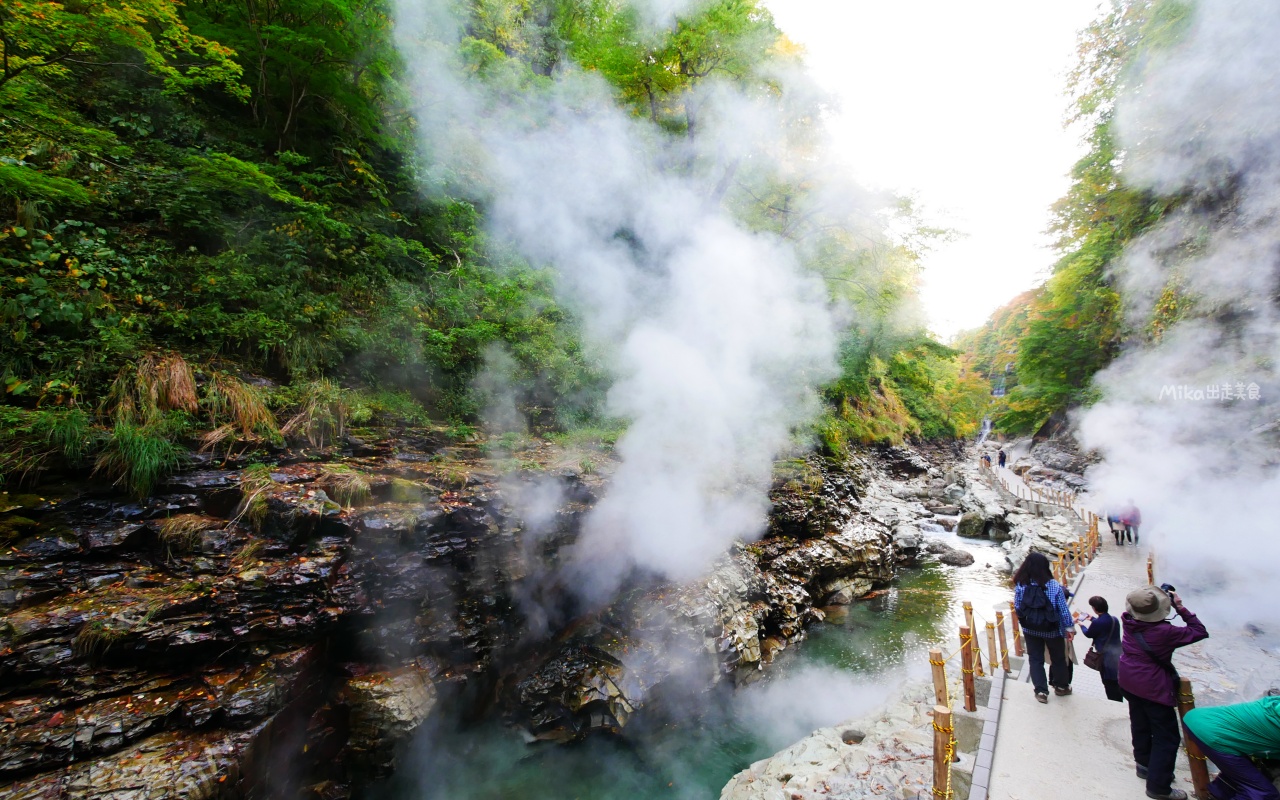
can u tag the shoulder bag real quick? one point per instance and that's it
(1093, 658)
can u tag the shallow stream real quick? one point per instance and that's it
(842, 670)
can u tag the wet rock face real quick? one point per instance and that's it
(384, 708)
(213, 616)
(813, 497)
(238, 620)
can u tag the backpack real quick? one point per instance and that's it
(1035, 612)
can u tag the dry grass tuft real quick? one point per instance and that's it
(173, 383)
(157, 383)
(240, 409)
(248, 554)
(181, 533)
(322, 417)
(255, 483)
(345, 485)
(95, 638)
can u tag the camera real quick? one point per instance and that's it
(1168, 588)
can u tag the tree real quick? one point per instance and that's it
(50, 39)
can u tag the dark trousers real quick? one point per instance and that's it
(1238, 778)
(1113, 690)
(1132, 532)
(1058, 671)
(1154, 727)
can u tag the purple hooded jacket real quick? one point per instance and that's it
(1141, 676)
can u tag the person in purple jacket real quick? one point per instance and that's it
(1150, 682)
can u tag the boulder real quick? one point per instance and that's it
(956, 558)
(385, 708)
(903, 460)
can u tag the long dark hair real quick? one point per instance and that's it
(1035, 569)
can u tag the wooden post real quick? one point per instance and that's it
(1004, 643)
(939, 667)
(943, 750)
(977, 648)
(1199, 767)
(1151, 570)
(1017, 632)
(993, 655)
(966, 669)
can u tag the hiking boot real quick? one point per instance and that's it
(1142, 772)
(1062, 691)
(1174, 794)
(1043, 697)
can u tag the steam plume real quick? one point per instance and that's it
(715, 334)
(1205, 119)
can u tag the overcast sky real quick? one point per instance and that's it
(961, 105)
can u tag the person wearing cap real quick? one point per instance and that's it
(1229, 736)
(1149, 682)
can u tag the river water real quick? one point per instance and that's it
(844, 669)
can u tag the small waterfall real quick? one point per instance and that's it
(986, 430)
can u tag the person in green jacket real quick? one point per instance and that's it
(1229, 736)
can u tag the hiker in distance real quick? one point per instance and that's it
(1150, 682)
(1002, 457)
(1104, 630)
(1045, 618)
(1132, 518)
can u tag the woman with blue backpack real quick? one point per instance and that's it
(1046, 623)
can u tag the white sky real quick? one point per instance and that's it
(961, 105)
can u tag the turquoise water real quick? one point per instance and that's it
(692, 760)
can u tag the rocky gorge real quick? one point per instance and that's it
(315, 612)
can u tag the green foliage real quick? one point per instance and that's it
(20, 182)
(139, 456)
(199, 193)
(1073, 326)
(33, 441)
(43, 40)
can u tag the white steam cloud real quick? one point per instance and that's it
(716, 335)
(1205, 119)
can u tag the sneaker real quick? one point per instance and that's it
(1142, 772)
(1062, 691)
(1174, 794)
(1043, 697)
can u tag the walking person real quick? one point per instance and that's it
(1117, 527)
(1104, 630)
(1002, 457)
(1132, 518)
(1150, 681)
(1230, 736)
(1046, 622)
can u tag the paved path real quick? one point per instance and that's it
(1078, 747)
(1075, 747)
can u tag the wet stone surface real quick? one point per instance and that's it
(179, 645)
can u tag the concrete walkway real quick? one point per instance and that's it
(1078, 746)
